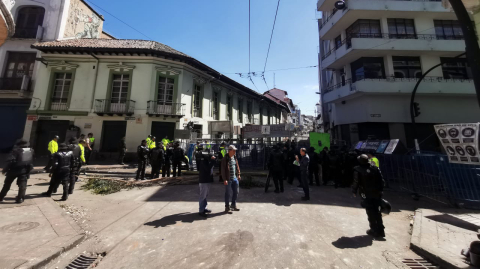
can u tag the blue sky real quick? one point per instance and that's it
(216, 33)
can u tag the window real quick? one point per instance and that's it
(268, 117)
(240, 110)
(368, 67)
(229, 107)
(338, 42)
(20, 64)
(249, 112)
(120, 85)
(261, 116)
(407, 67)
(61, 87)
(448, 29)
(165, 90)
(216, 106)
(197, 101)
(28, 20)
(364, 29)
(401, 28)
(455, 68)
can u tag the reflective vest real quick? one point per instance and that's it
(152, 145)
(223, 152)
(149, 141)
(374, 161)
(53, 146)
(82, 150)
(92, 140)
(165, 141)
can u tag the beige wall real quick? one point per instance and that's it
(82, 22)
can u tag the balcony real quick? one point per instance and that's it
(160, 108)
(397, 86)
(11, 84)
(378, 45)
(251, 120)
(59, 104)
(29, 33)
(114, 107)
(378, 9)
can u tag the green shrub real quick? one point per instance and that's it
(104, 186)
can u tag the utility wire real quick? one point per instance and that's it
(249, 35)
(138, 31)
(271, 36)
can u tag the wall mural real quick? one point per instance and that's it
(82, 22)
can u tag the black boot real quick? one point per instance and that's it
(21, 194)
(65, 192)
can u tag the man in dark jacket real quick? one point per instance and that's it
(291, 167)
(142, 155)
(206, 163)
(62, 166)
(313, 166)
(275, 165)
(324, 161)
(168, 160)
(368, 181)
(122, 151)
(75, 171)
(157, 156)
(304, 162)
(230, 171)
(19, 165)
(178, 158)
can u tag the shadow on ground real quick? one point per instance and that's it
(181, 217)
(360, 241)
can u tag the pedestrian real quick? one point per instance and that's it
(220, 155)
(153, 143)
(91, 146)
(63, 164)
(142, 155)
(82, 144)
(230, 172)
(324, 161)
(198, 149)
(285, 166)
(275, 166)
(168, 161)
(52, 149)
(304, 163)
(372, 159)
(254, 155)
(313, 166)
(335, 167)
(178, 158)
(208, 146)
(291, 167)
(86, 147)
(369, 183)
(122, 148)
(149, 140)
(157, 157)
(206, 163)
(74, 147)
(19, 165)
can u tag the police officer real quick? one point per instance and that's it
(198, 150)
(19, 165)
(178, 158)
(122, 148)
(304, 163)
(206, 163)
(63, 164)
(91, 143)
(368, 181)
(142, 154)
(52, 148)
(220, 154)
(77, 159)
(313, 166)
(275, 165)
(157, 156)
(168, 160)
(149, 140)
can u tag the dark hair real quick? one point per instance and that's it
(82, 135)
(304, 150)
(90, 134)
(144, 141)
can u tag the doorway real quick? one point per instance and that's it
(162, 129)
(46, 130)
(112, 133)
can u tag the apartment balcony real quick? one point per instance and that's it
(16, 87)
(160, 108)
(378, 45)
(397, 86)
(59, 104)
(378, 9)
(112, 107)
(251, 120)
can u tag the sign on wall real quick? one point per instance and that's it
(460, 141)
(391, 146)
(87, 126)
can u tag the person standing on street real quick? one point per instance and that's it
(220, 155)
(91, 143)
(19, 165)
(230, 172)
(86, 147)
(142, 155)
(122, 148)
(63, 164)
(325, 165)
(165, 141)
(275, 165)
(157, 156)
(206, 163)
(368, 181)
(304, 163)
(77, 159)
(313, 166)
(291, 167)
(198, 149)
(168, 160)
(178, 158)
(373, 160)
(52, 148)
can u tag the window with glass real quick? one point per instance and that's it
(165, 90)
(240, 110)
(407, 67)
(229, 107)
(364, 29)
(368, 67)
(455, 68)
(19, 64)
(61, 87)
(120, 85)
(28, 20)
(448, 29)
(401, 28)
(216, 106)
(197, 101)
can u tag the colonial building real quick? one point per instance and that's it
(133, 88)
(39, 20)
(371, 55)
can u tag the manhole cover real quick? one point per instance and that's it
(20, 227)
(419, 264)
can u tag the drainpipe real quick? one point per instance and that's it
(94, 79)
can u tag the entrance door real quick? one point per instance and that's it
(197, 128)
(112, 133)
(13, 115)
(162, 129)
(46, 130)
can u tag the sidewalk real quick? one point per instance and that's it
(442, 236)
(35, 232)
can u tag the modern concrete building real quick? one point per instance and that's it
(372, 53)
(7, 25)
(134, 88)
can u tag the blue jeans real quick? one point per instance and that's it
(231, 190)
(204, 190)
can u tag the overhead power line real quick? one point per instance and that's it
(271, 36)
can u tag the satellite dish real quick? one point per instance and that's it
(340, 5)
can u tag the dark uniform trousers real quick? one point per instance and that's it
(156, 166)
(141, 169)
(121, 155)
(372, 206)
(177, 164)
(58, 178)
(304, 183)
(166, 170)
(313, 171)
(21, 182)
(277, 176)
(74, 173)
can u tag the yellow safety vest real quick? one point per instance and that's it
(152, 145)
(53, 146)
(223, 152)
(82, 150)
(92, 139)
(375, 162)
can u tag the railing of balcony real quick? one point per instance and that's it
(11, 84)
(328, 18)
(165, 108)
(59, 104)
(114, 106)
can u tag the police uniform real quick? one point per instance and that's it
(167, 162)
(19, 165)
(52, 148)
(157, 156)
(77, 158)
(142, 154)
(220, 156)
(178, 158)
(275, 165)
(63, 165)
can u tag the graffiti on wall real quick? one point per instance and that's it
(82, 21)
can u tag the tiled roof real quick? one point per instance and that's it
(84, 43)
